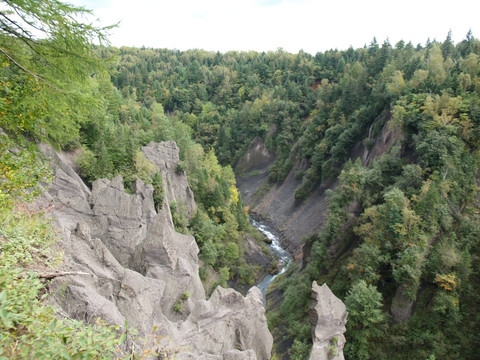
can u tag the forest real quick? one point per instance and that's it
(414, 232)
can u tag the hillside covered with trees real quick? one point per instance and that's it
(412, 238)
(414, 233)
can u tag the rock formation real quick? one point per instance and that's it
(165, 156)
(257, 157)
(141, 272)
(402, 306)
(328, 315)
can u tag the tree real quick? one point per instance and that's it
(448, 48)
(365, 319)
(49, 61)
(46, 87)
(436, 65)
(394, 230)
(53, 41)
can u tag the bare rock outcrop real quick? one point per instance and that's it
(402, 306)
(171, 256)
(133, 267)
(69, 195)
(122, 220)
(328, 315)
(277, 205)
(227, 309)
(229, 355)
(257, 157)
(110, 292)
(165, 156)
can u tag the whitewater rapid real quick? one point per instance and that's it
(280, 253)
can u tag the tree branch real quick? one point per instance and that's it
(28, 71)
(50, 276)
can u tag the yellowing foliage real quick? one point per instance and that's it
(447, 282)
(234, 194)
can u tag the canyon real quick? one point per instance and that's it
(126, 265)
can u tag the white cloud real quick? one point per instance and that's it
(263, 25)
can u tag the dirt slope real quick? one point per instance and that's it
(276, 203)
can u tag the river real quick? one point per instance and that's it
(283, 256)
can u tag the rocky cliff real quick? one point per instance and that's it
(134, 268)
(328, 316)
(276, 203)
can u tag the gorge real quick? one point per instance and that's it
(282, 257)
(134, 268)
(138, 267)
(363, 162)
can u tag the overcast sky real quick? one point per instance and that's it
(263, 25)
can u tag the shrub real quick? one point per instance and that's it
(178, 307)
(30, 330)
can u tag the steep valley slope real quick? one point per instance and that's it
(276, 204)
(131, 268)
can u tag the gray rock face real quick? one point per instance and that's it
(402, 306)
(165, 156)
(134, 267)
(226, 310)
(69, 195)
(257, 157)
(229, 355)
(278, 206)
(122, 220)
(328, 315)
(111, 292)
(168, 255)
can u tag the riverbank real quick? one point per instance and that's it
(283, 258)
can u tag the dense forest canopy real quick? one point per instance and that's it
(414, 233)
(413, 237)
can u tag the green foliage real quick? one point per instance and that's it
(292, 316)
(22, 170)
(230, 252)
(46, 93)
(332, 348)
(220, 217)
(185, 296)
(145, 170)
(392, 232)
(20, 104)
(299, 350)
(365, 319)
(408, 219)
(224, 276)
(26, 237)
(179, 216)
(180, 169)
(398, 225)
(158, 191)
(47, 59)
(29, 329)
(178, 307)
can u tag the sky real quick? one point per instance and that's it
(293, 25)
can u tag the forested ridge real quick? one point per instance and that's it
(402, 231)
(412, 240)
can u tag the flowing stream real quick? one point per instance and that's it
(283, 256)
